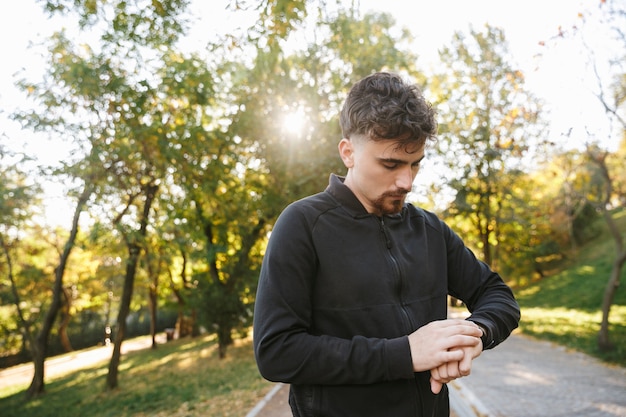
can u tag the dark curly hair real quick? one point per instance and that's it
(382, 106)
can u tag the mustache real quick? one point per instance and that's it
(400, 192)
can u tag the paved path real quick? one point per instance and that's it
(275, 404)
(63, 364)
(523, 377)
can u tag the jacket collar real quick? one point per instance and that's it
(348, 200)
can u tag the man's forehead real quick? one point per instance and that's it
(398, 149)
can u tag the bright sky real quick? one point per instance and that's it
(560, 77)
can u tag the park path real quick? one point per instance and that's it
(523, 377)
(69, 362)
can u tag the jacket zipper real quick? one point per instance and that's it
(396, 270)
(408, 322)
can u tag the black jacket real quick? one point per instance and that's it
(339, 291)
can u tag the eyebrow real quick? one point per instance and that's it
(401, 161)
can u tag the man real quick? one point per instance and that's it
(351, 307)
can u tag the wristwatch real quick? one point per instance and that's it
(488, 342)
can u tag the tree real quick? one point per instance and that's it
(15, 209)
(569, 171)
(611, 17)
(605, 202)
(254, 157)
(41, 342)
(101, 96)
(135, 243)
(487, 120)
(309, 85)
(18, 199)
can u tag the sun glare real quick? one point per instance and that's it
(294, 121)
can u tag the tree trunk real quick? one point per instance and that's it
(153, 288)
(127, 295)
(194, 328)
(37, 385)
(486, 249)
(183, 328)
(227, 320)
(599, 158)
(609, 294)
(65, 320)
(40, 346)
(152, 296)
(134, 250)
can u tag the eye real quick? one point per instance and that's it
(390, 165)
(417, 164)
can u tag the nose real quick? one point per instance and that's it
(405, 177)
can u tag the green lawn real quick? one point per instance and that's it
(183, 378)
(566, 306)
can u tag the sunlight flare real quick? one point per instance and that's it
(294, 121)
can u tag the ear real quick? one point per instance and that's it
(346, 152)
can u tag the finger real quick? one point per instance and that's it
(460, 341)
(454, 370)
(454, 326)
(465, 366)
(470, 329)
(454, 355)
(434, 374)
(444, 375)
(435, 386)
(470, 325)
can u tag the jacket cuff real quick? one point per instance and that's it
(487, 338)
(398, 358)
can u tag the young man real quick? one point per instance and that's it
(351, 307)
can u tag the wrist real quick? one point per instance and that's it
(486, 337)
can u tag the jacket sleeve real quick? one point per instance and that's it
(488, 298)
(285, 348)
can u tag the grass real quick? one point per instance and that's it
(183, 378)
(566, 307)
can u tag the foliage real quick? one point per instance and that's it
(203, 134)
(310, 84)
(565, 306)
(263, 156)
(23, 265)
(142, 22)
(18, 195)
(488, 124)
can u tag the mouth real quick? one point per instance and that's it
(391, 202)
(396, 195)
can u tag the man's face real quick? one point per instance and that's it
(380, 173)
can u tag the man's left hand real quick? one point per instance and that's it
(453, 370)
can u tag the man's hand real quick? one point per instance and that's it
(445, 342)
(453, 370)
